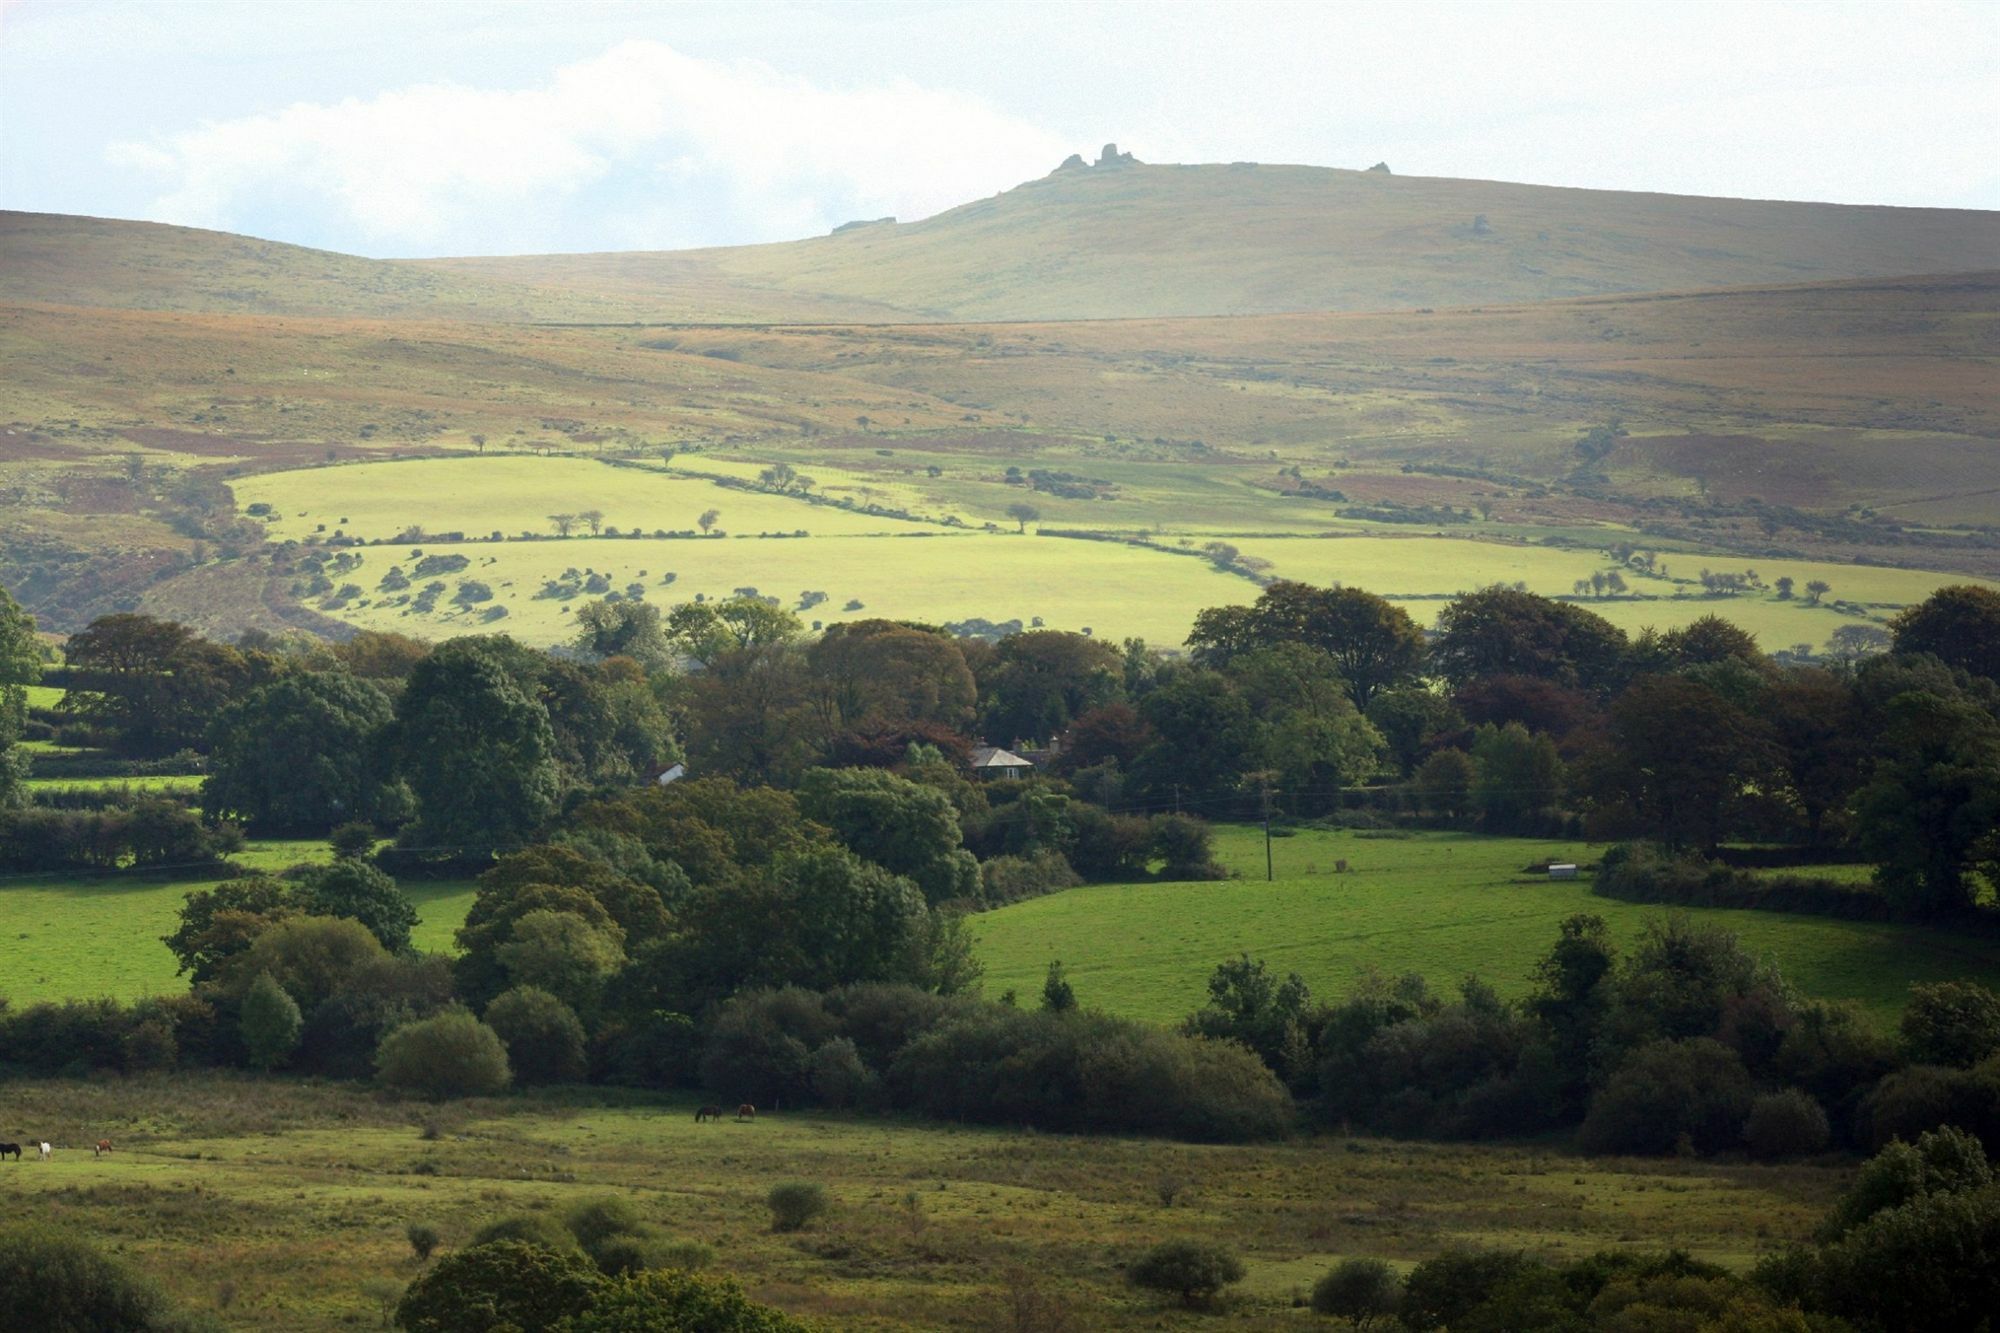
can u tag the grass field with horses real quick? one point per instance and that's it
(1444, 904)
(274, 1201)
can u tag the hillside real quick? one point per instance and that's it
(1083, 243)
(1119, 242)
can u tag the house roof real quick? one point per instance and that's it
(992, 756)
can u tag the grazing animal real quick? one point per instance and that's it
(6, 1148)
(46, 1151)
(103, 1147)
(708, 1113)
(746, 1112)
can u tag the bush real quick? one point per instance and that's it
(839, 1078)
(760, 1047)
(1695, 1088)
(1185, 844)
(423, 1240)
(56, 1282)
(1925, 1097)
(528, 1229)
(544, 1038)
(667, 1301)
(599, 1219)
(1010, 879)
(500, 1284)
(1441, 1291)
(795, 1204)
(359, 892)
(1933, 1263)
(616, 1256)
(1944, 1162)
(1196, 1271)
(1955, 1023)
(1358, 1289)
(1785, 1124)
(450, 1055)
(270, 1022)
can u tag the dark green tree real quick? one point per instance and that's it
(153, 684)
(545, 1041)
(1959, 625)
(504, 1284)
(905, 827)
(1373, 643)
(352, 888)
(1928, 817)
(1683, 753)
(451, 1054)
(1503, 631)
(478, 752)
(270, 1022)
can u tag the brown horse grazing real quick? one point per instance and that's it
(746, 1112)
(103, 1147)
(13, 1148)
(708, 1113)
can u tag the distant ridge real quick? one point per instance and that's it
(1119, 239)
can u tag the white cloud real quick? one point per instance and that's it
(641, 145)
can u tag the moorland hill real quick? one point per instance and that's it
(1105, 242)
(1117, 242)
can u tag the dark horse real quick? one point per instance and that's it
(15, 1149)
(705, 1113)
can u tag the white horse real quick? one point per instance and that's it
(45, 1150)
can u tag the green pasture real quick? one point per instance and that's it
(296, 1197)
(1116, 591)
(159, 782)
(44, 696)
(515, 493)
(1443, 904)
(74, 937)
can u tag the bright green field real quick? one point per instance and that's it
(516, 494)
(1116, 591)
(1443, 904)
(295, 1196)
(77, 938)
(44, 696)
(155, 783)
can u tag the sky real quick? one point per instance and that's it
(395, 128)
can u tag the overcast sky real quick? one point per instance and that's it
(484, 128)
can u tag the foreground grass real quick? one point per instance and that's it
(1444, 904)
(273, 1203)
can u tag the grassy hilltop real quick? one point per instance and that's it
(1137, 241)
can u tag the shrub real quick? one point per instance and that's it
(1010, 879)
(1946, 1161)
(352, 840)
(1196, 1271)
(839, 1078)
(1358, 1289)
(450, 1055)
(795, 1204)
(527, 1229)
(544, 1038)
(599, 1219)
(59, 1283)
(1933, 1263)
(1924, 1097)
(616, 1256)
(1186, 846)
(1953, 1023)
(1695, 1088)
(1785, 1124)
(1443, 1290)
(355, 890)
(668, 1301)
(270, 1022)
(423, 1240)
(760, 1047)
(493, 1285)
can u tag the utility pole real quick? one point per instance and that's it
(1262, 778)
